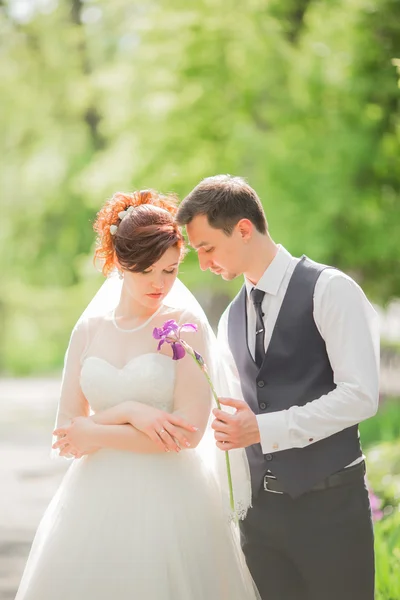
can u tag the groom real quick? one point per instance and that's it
(302, 341)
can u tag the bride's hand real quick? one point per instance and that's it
(76, 438)
(165, 429)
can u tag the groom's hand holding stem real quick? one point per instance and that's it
(237, 430)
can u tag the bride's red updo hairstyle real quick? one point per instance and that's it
(141, 236)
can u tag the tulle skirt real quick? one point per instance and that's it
(125, 526)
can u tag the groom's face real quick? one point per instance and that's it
(220, 253)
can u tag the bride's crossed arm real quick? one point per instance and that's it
(134, 426)
(72, 402)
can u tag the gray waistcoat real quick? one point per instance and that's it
(296, 370)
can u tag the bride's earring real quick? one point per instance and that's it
(120, 274)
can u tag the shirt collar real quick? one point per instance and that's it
(273, 276)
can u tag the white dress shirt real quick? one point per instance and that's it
(349, 326)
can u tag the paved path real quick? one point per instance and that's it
(28, 476)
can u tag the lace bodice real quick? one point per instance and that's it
(148, 378)
(107, 364)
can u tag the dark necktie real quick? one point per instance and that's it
(257, 297)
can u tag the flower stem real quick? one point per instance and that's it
(214, 393)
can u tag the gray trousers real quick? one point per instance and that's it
(316, 547)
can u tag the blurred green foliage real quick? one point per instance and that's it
(387, 557)
(383, 462)
(384, 426)
(299, 97)
(380, 437)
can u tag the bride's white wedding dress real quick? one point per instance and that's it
(129, 526)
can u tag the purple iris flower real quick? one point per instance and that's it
(178, 351)
(199, 358)
(170, 333)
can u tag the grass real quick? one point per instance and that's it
(380, 438)
(387, 558)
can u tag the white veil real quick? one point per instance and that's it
(180, 297)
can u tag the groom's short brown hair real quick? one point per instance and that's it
(225, 200)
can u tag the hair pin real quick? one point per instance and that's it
(122, 214)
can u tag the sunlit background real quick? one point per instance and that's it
(301, 97)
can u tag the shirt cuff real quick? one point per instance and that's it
(274, 432)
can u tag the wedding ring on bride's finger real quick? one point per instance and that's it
(161, 431)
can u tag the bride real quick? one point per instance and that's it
(139, 514)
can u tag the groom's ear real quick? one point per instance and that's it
(245, 229)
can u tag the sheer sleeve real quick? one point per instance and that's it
(72, 402)
(192, 393)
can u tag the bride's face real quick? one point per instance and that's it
(150, 287)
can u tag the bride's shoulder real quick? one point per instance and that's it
(87, 326)
(182, 316)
